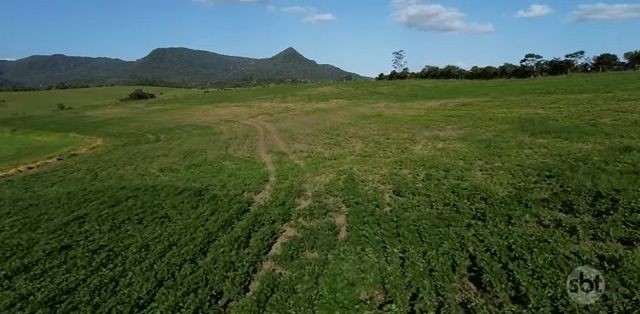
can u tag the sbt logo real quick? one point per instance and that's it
(585, 285)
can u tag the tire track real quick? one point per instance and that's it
(264, 195)
(287, 233)
(275, 136)
(42, 163)
(266, 132)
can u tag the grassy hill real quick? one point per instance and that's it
(167, 66)
(401, 196)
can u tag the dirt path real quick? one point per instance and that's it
(266, 132)
(275, 136)
(263, 151)
(39, 164)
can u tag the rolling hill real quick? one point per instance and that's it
(168, 66)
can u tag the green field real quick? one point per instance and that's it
(20, 147)
(401, 197)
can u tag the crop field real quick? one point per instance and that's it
(400, 197)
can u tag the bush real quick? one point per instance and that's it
(139, 94)
(61, 106)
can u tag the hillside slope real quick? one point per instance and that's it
(168, 66)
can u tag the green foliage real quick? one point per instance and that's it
(139, 94)
(533, 62)
(477, 196)
(532, 65)
(633, 59)
(605, 62)
(558, 66)
(398, 61)
(575, 58)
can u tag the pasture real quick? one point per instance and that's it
(399, 197)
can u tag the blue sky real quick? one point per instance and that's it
(356, 35)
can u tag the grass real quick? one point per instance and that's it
(413, 196)
(24, 147)
(29, 103)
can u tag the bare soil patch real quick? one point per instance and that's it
(341, 221)
(311, 255)
(287, 233)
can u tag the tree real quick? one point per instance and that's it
(484, 73)
(380, 77)
(556, 66)
(605, 62)
(404, 74)
(508, 70)
(575, 58)
(398, 61)
(633, 59)
(489, 73)
(451, 72)
(533, 62)
(429, 72)
(393, 75)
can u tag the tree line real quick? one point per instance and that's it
(532, 65)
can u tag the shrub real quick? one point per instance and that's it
(61, 106)
(139, 94)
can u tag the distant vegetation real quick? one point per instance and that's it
(532, 65)
(139, 94)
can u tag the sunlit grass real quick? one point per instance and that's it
(414, 196)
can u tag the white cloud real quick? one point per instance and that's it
(295, 10)
(319, 18)
(534, 10)
(602, 11)
(311, 14)
(8, 59)
(435, 17)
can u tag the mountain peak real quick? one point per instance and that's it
(290, 50)
(289, 55)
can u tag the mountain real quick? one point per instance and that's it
(51, 70)
(168, 66)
